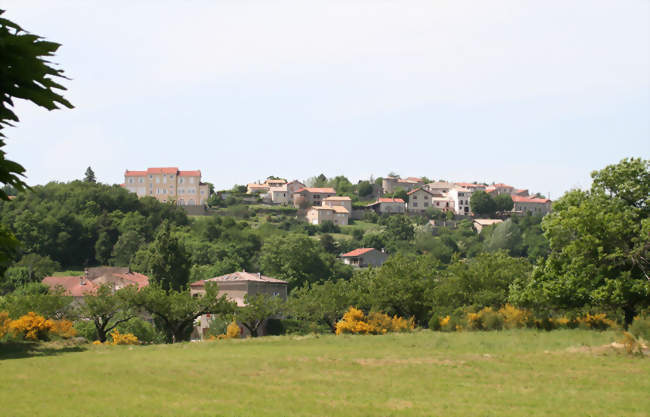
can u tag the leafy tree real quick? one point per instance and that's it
(503, 202)
(103, 247)
(399, 287)
(31, 268)
(126, 247)
(174, 312)
(38, 298)
(505, 235)
(483, 281)
(165, 260)
(364, 189)
(329, 244)
(257, 310)
(322, 303)
(107, 308)
(26, 74)
(399, 227)
(599, 245)
(482, 204)
(89, 176)
(318, 181)
(295, 258)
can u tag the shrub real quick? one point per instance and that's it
(143, 330)
(5, 321)
(233, 331)
(63, 328)
(31, 326)
(485, 319)
(640, 327)
(354, 321)
(86, 329)
(514, 318)
(596, 322)
(124, 339)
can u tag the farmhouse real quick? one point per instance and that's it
(388, 205)
(236, 286)
(363, 257)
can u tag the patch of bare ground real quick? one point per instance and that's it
(614, 347)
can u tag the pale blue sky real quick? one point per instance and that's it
(532, 93)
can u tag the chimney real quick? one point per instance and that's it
(81, 280)
(259, 275)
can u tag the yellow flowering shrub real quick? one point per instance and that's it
(355, 322)
(97, 342)
(63, 328)
(124, 339)
(4, 323)
(31, 326)
(596, 321)
(515, 318)
(233, 331)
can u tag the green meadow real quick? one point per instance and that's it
(509, 373)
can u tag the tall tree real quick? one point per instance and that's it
(257, 310)
(166, 260)
(599, 245)
(503, 202)
(89, 176)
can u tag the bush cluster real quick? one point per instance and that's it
(510, 317)
(356, 322)
(32, 326)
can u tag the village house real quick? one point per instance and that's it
(391, 184)
(279, 195)
(338, 215)
(385, 205)
(364, 257)
(461, 198)
(500, 188)
(311, 196)
(168, 185)
(236, 286)
(255, 188)
(541, 206)
(471, 186)
(419, 200)
(342, 201)
(439, 187)
(79, 286)
(444, 203)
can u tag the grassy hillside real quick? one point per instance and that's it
(516, 373)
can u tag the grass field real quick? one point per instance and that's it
(512, 373)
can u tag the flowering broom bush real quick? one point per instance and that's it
(4, 323)
(124, 338)
(355, 322)
(31, 326)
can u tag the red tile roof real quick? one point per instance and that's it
(317, 190)
(389, 200)
(502, 185)
(357, 252)
(238, 276)
(196, 173)
(419, 189)
(338, 198)
(72, 285)
(469, 185)
(411, 179)
(521, 199)
(135, 173)
(168, 170)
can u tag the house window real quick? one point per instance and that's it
(130, 180)
(415, 204)
(180, 180)
(150, 177)
(191, 180)
(426, 204)
(141, 180)
(164, 179)
(157, 180)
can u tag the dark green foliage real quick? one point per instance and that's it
(107, 309)
(328, 227)
(174, 312)
(25, 73)
(364, 189)
(323, 303)
(483, 204)
(89, 175)
(145, 331)
(165, 260)
(257, 310)
(36, 297)
(503, 202)
(31, 268)
(329, 244)
(599, 245)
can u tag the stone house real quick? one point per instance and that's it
(236, 286)
(338, 201)
(531, 205)
(389, 185)
(419, 200)
(338, 215)
(168, 185)
(311, 196)
(385, 205)
(93, 278)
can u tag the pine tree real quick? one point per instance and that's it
(90, 175)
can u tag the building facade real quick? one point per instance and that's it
(336, 214)
(522, 205)
(419, 200)
(168, 185)
(310, 196)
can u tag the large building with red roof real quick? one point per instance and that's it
(168, 185)
(533, 205)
